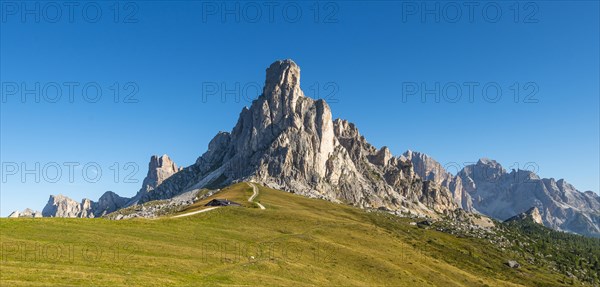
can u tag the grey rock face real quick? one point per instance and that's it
(62, 206)
(288, 141)
(159, 169)
(429, 169)
(532, 214)
(487, 188)
(500, 194)
(27, 213)
(108, 203)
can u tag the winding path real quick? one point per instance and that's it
(251, 199)
(254, 194)
(196, 212)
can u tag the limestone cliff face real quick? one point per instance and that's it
(288, 141)
(501, 194)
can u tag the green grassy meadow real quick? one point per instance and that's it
(296, 241)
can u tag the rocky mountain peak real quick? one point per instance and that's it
(485, 170)
(288, 141)
(283, 74)
(159, 169)
(282, 104)
(501, 195)
(281, 93)
(490, 164)
(429, 169)
(108, 203)
(281, 109)
(61, 206)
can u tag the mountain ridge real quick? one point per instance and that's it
(291, 142)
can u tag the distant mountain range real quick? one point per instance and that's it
(288, 141)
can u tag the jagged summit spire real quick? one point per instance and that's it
(282, 70)
(284, 74)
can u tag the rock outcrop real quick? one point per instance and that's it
(159, 169)
(513, 264)
(288, 141)
(532, 214)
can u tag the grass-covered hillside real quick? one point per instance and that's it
(575, 256)
(295, 241)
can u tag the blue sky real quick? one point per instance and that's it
(362, 57)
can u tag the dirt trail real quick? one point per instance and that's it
(254, 194)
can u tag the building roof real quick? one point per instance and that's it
(222, 202)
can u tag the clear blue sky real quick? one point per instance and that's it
(371, 52)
